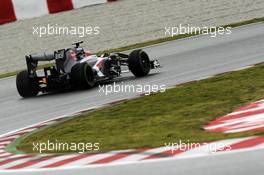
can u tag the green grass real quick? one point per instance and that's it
(150, 121)
(152, 42)
(9, 74)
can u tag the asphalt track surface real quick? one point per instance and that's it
(183, 61)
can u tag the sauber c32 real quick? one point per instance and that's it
(76, 68)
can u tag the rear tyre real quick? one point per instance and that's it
(82, 76)
(26, 87)
(139, 63)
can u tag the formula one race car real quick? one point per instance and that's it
(76, 68)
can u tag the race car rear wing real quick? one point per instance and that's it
(43, 57)
(32, 62)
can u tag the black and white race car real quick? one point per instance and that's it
(76, 68)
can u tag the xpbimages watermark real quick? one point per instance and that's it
(80, 31)
(207, 147)
(130, 88)
(188, 29)
(57, 146)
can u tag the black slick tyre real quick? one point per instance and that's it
(26, 87)
(139, 63)
(82, 76)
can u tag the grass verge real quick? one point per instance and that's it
(152, 42)
(151, 121)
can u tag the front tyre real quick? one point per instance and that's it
(26, 87)
(139, 63)
(82, 76)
